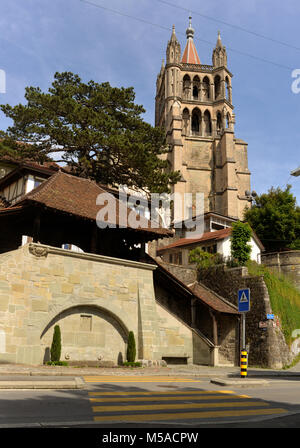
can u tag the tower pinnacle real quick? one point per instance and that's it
(190, 55)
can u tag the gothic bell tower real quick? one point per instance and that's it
(194, 105)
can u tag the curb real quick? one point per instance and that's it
(240, 382)
(77, 383)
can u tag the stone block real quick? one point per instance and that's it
(4, 300)
(39, 305)
(67, 288)
(17, 287)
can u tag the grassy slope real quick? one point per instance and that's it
(284, 297)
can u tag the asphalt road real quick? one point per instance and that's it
(153, 402)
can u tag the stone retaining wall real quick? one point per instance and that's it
(287, 263)
(96, 300)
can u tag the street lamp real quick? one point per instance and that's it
(296, 172)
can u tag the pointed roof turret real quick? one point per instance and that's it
(219, 53)
(173, 49)
(219, 41)
(190, 55)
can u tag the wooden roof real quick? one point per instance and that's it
(78, 196)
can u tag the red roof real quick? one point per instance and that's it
(78, 196)
(208, 236)
(190, 55)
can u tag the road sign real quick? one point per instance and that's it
(270, 316)
(244, 300)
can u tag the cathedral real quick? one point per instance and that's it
(194, 105)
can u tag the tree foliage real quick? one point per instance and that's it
(95, 128)
(240, 238)
(55, 351)
(203, 259)
(131, 348)
(275, 218)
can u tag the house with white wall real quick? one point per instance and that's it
(213, 242)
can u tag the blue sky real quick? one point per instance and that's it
(40, 37)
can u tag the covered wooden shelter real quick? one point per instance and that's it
(64, 210)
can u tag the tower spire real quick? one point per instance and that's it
(190, 55)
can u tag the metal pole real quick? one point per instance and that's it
(244, 354)
(244, 331)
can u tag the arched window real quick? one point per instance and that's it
(185, 121)
(219, 123)
(207, 123)
(206, 88)
(195, 92)
(217, 87)
(196, 86)
(227, 88)
(228, 120)
(196, 122)
(186, 86)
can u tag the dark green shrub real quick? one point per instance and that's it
(57, 363)
(56, 345)
(132, 364)
(131, 350)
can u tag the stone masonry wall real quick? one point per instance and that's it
(286, 262)
(96, 300)
(267, 347)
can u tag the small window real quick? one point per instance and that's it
(85, 322)
(37, 182)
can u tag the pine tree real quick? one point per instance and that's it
(97, 129)
(131, 349)
(56, 345)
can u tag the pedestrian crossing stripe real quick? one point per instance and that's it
(158, 407)
(165, 398)
(188, 415)
(166, 392)
(134, 406)
(100, 379)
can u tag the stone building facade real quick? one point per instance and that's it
(195, 106)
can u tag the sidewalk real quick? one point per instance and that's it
(13, 376)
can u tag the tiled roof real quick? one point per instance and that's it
(212, 299)
(208, 236)
(77, 196)
(190, 55)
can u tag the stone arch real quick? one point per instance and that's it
(196, 121)
(217, 82)
(227, 85)
(89, 333)
(206, 88)
(186, 85)
(219, 122)
(185, 121)
(196, 87)
(228, 120)
(207, 123)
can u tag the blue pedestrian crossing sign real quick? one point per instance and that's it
(244, 300)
